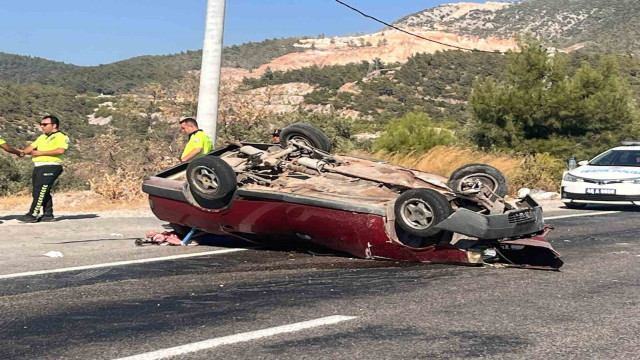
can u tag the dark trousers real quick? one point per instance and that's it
(43, 178)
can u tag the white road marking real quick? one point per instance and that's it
(579, 215)
(119, 263)
(237, 338)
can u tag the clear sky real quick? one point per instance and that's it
(90, 32)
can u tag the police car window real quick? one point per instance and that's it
(617, 158)
(603, 159)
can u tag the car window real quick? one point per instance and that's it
(617, 158)
(603, 159)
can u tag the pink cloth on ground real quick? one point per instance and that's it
(161, 237)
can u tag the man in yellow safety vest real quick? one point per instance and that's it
(47, 153)
(199, 142)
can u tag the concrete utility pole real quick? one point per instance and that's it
(210, 71)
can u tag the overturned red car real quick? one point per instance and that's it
(298, 190)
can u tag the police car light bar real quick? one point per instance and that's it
(630, 142)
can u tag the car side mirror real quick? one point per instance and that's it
(583, 162)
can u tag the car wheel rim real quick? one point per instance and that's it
(486, 179)
(206, 180)
(417, 214)
(302, 139)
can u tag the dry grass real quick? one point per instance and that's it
(122, 186)
(443, 160)
(537, 172)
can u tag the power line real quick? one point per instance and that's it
(412, 34)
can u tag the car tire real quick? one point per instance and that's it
(212, 182)
(418, 211)
(489, 176)
(307, 134)
(575, 205)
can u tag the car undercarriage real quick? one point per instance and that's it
(413, 211)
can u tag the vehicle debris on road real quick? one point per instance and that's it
(163, 238)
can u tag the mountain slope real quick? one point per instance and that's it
(123, 76)
(126, 75)
(22, 69)
(613, 25)
(598, 25)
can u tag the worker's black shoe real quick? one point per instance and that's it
(47, 218)
(27, 218)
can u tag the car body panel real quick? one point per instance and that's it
(361, 235)
(360, 230)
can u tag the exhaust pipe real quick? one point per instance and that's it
(250, 150)
(314, 164)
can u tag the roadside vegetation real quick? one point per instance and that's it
(540, 107)
(525, 112)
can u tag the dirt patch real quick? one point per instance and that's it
(74, 201)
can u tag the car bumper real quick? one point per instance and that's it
(525, 221)
(582, 193)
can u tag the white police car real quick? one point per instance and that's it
(612, 177)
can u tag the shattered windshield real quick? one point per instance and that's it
(617, 158)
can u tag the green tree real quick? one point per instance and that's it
(538, 106)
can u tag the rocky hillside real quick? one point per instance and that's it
(598, 25)
(612, 25)
(390, 46)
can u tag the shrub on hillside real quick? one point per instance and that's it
(414, 132)
(122, 185)
(539, 171)
(104, 111)
(15, 175)
(116, 165)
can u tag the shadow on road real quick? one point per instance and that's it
(57, 218)
(603, 207)
(77, 217)
(9, 217)
(263, 242)
(94, 240)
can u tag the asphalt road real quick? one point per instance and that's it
(590, 309)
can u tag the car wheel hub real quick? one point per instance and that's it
(206, 180)
(302, 140)
(487, 180)
(417, 214)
